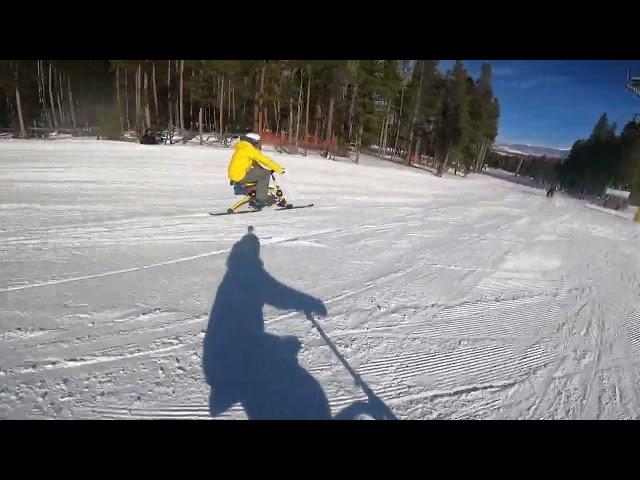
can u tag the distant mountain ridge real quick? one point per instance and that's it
(531, 150)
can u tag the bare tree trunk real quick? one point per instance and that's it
(200, 125)
(137, 98)
(306, 121)
(352, 107)
(136, 102)
(73, 113)
(169, 102)
(260, 98)
(53, 107)
(386, 128)
(344, 95)
(318, 115)
(330, 118)
(395, 145)
(244, 101)
(379, 143)
(63, 119)
(23, 131)
(474, 167)
(385, 140)
(380, 137)
(181, 94)
(126, 97)
(146, 100)
(481, 154)
(176, 101)
(416, 155)
(42, 88)
(233, 101)
(143, 100)
(290, 134)
(359, 141)
(43, 95)
(117, 99)
(519, 166)
(263, 119)
(155, 90)
(484, 153)
(443, 166)
(177, 110)
(275, 116)
(63, 92)
(39, 84)
(256, 109)
(481, 151)
(299, 107)
(415, 111)
(387, 132)
(221, 105)
(139, 107)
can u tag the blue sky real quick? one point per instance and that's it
(552, 103)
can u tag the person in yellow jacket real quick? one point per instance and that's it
(248, 164)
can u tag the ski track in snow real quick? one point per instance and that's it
(451, 298)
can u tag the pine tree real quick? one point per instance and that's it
(602, 129)
(454, 122)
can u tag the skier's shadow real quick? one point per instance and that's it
(243, 364)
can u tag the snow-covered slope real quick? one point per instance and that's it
(451, 298)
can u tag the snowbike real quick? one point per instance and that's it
(248, 190)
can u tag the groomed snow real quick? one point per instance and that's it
(451, 297)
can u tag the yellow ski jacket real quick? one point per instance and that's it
(245, 157)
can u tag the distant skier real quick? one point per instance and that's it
(248, 164)
(552, 188)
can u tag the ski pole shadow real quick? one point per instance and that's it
(244, 364)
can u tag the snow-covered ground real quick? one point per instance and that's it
(451, 298)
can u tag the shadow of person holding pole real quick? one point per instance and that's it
(244, 364)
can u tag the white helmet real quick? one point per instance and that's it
(252, 138)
